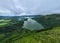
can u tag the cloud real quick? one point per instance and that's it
(23, 7)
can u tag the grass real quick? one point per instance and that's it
(51, 35)
(47, 36)
(4, 23)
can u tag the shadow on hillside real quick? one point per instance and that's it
(46, 29)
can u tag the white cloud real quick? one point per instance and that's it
(27, 6)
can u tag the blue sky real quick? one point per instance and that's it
(26, 7)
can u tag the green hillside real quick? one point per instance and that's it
(49, 36)
(12, 32)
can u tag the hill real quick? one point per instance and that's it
(12, 31)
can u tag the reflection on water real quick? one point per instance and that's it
(32, 25)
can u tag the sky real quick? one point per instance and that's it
(28, 7)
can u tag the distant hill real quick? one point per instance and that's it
(49, 20)
(24, 16)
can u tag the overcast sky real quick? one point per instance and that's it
(27, 7)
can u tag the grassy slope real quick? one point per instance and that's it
(48, 36)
